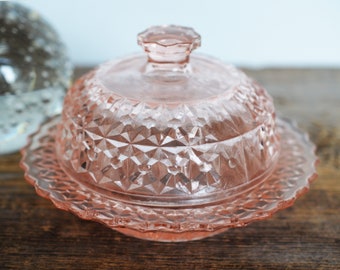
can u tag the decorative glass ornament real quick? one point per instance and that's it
(34, 73)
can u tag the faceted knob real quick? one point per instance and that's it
(169, 43)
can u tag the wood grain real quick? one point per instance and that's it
(36, 235)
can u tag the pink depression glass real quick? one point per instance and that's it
(169, 146)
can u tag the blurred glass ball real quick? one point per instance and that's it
(35, 72)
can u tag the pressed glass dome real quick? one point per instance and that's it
(169, 146)
(167, 127)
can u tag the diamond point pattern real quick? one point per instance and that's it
(188, 158)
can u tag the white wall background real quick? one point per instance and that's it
(255, 33)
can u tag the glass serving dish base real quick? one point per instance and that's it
(290, 179)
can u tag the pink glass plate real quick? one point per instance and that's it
(290, 179)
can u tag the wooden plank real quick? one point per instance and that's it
(36, 235)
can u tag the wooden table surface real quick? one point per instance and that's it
(36, 235)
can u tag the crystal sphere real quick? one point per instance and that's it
(34, 73)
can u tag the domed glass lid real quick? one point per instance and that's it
(168, 126)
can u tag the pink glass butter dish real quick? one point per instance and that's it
(169, 146)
